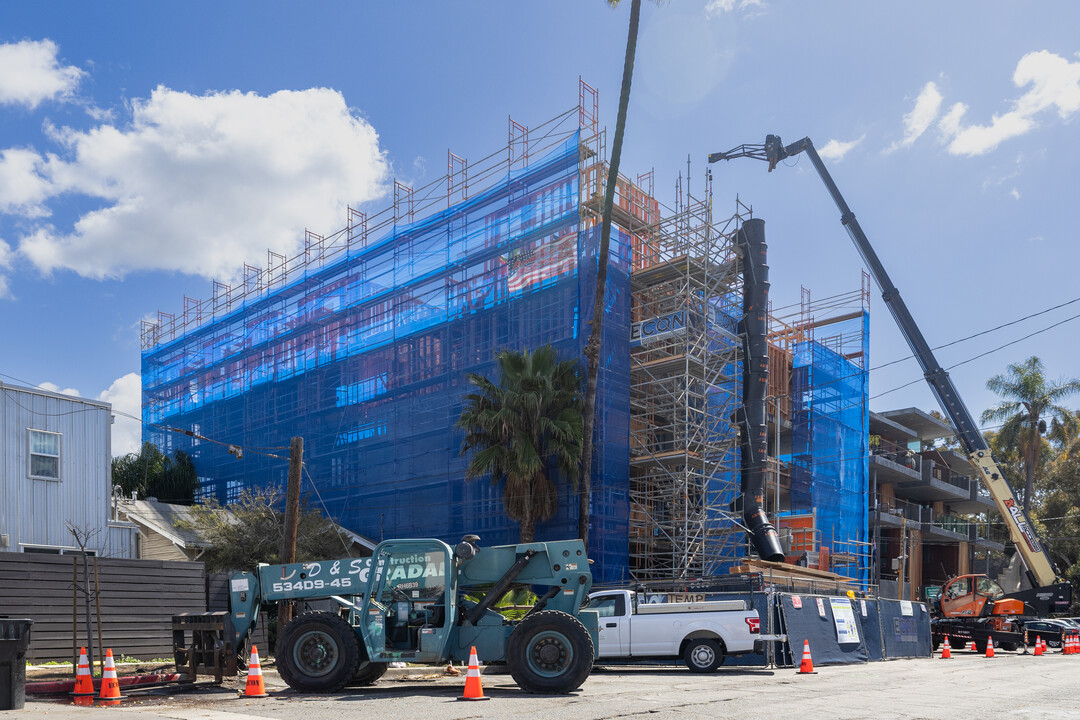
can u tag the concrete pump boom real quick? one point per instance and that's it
(1040, 567)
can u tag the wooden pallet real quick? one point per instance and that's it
(796, 576)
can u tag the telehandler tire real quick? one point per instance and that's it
(367, 672)
(318, 652)
(550, 652)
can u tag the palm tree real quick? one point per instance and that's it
(524, 427)
(1032, 400)
(592, 348)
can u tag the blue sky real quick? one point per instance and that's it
(147, 148)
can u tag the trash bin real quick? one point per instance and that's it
(14, 642)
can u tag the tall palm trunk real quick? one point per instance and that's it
(1029, 465)
(592, 348)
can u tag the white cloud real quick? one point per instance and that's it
(5, 264)
(53, 387)
(30, 73)
(125, 395)
(203, 184)
(1015, 193)
(835, 150)
(715, 8)
(23, 188)
(950, 122)
(927, 107)
(1055, 84)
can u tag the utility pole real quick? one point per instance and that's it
(292, 515)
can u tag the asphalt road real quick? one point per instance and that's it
(967, 686)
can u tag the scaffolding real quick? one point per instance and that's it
(827, 507)
(362, 342)
(684, 393)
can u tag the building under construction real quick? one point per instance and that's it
(362, 343)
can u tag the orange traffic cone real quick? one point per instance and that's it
(1038, 645)
(989, 647)
(110, 686)
(255, 687)
(806, 667)
(1067, 647)
(972, 647)
(946, 652)
(84, 683)
(473, 691)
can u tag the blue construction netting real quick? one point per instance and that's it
(830, 444)
(367, 360)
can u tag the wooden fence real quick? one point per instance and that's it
(138, 599)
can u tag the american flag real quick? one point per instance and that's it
(548, 260)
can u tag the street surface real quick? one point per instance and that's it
(968, 686)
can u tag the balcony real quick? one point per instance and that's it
(988, 536)
(892, 512)
(978, 501)
(949, 527)
(936, 482)
(895, 463)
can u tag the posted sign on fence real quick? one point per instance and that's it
(847, 630)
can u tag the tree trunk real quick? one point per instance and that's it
(592, 348)
(528, 525)
(1029, 466)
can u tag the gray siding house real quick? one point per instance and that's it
(55, 469)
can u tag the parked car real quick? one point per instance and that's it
(1049, 630)
(702, 634)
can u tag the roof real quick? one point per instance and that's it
(358, 539)
(923, 423)
(56, 395)
(162, 518)
(881, 425)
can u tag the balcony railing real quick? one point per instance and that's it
(902, 508)
(943, 473)
(897, 453)
(952, 524)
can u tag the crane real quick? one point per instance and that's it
(1050, 589)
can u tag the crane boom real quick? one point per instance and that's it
(1036, 558)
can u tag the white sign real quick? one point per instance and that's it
(862, 606)
(821, 607)
(796, 602)
(844, 617)
(653, 329)
(240, 584)
(905, 608)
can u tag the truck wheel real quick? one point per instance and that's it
(957, 643)
(317, 652)
(1008, 646)
(549, 652)
(702, 655)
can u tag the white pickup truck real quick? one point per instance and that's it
(701, 633)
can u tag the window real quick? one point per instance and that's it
(989, 588)
(44, 455)
(609, 606)
(958, 588)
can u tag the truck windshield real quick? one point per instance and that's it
(414, 575)
(989, 588)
